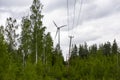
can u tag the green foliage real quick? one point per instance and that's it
(36, 59)
(25, 39)
(48, 48)
(11, 35)
(93, 49)
(3, 55)
(107, 49)
(74, 52)
(114, 47)
(29, 72)
(37, 31)
(83, 51)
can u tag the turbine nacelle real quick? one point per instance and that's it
(58, 32)
(58, 28)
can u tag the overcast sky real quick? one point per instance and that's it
(99, 20)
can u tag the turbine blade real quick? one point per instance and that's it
(62, 26)
(55, 24)
(56, 33)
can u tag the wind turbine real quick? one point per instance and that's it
(58, 32)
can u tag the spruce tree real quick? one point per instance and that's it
(107, 49)
(81, 51)
(93, 49)
(114, 47)
(57, 63)
(48, 48)
(74, 52)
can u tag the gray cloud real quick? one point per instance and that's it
(99, 10)
(14, 3)
(62, 4)
(16, 14)
(99, 20)
(17, 8)
(92, 9)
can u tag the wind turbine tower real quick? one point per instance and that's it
(70, 45)
(58, 32)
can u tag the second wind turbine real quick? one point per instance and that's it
(58, 32)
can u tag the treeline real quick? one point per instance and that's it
(84, 51)
(95, 62)
(30, 55)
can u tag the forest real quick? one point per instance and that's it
(30, 55)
